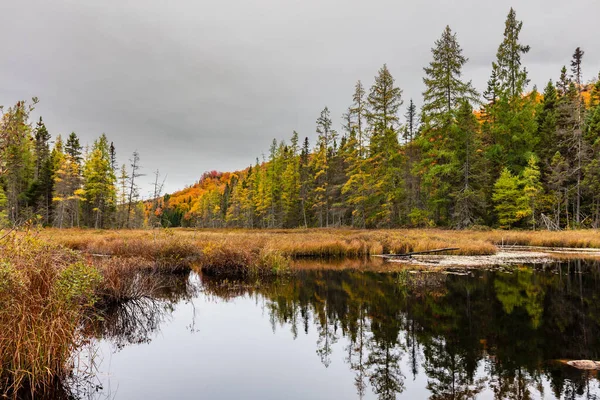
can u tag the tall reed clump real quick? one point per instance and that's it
(45, 291)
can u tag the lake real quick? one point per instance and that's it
(334, 334)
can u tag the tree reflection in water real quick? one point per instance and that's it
(490, 331)
(500, 331)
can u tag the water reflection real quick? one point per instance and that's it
(486, 334)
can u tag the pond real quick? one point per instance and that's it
(331, 334)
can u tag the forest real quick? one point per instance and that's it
(514, 156)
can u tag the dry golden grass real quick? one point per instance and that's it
(240, 252)
(242, 246)
(45, 291)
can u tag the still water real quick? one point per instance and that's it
(356, 335)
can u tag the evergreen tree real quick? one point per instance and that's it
(384, 100)
(73, 148)
(467, 191)
(513, 125)
(576, 67)
(512, 78)
(356, 117)
(99, 186)
(39, 192)
(18, 160)
(411, 128)
(444, 87)
(547, 125)
(326, 143)
(443, 96)
(356, 189)
(291, 185)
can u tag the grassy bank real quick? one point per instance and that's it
(177, 245)
(48, 293)
(242, 252)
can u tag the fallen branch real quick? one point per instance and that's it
(414, 253)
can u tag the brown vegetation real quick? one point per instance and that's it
(44, 292)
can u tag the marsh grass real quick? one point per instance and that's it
(260, 252)
(45, 291)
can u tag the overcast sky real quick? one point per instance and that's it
(197, 85)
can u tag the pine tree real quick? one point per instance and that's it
(557, 176)
(571, 141)
(512, 78)
(444, 87)
(305, 181)
(40, 190)
(113, 157)
(512, 123)
(384, 179)
(291, 185)
(467, 161)
(42, 149)
(18, 159)
(547, 125)
(73, 148)
(411, 128)
(576, 67)
(384, 100)
(356, 117)
(443, 96)
(321, 165)
(67, 193)
(356, 189)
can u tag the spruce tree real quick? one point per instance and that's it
(356, 116)
(547, 124)
(576, 67)
(444, 93)
(411, 127)
(469, 165)
(512, 125)
(512, 77)
(384, 101)
(73, 148)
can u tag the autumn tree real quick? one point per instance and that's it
(506, 199)
(17, 158)
(99, 184)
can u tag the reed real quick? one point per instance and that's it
(239, 252)
(45, 291)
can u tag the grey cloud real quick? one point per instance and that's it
(202, 85)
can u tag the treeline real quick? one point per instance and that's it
(65, 185)
(509, 157)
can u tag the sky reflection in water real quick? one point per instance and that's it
(345, 335)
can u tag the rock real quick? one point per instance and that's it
(584, 364)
